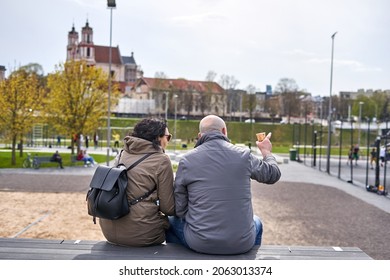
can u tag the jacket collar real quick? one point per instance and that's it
(210, 136)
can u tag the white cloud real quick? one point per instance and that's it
(194, 20)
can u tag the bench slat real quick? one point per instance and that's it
(44, 249)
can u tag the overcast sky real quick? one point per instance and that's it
(256, 41)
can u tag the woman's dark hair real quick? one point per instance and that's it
(150, 129)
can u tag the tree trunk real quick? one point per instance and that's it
(21, 146)
(13, 149)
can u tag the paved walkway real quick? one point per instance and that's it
(297, 172)
(77, 178)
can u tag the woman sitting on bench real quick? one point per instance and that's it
(84, 156)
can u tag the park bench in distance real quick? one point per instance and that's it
(43, 159)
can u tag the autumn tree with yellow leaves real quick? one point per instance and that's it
(77, 98)
(21, 96)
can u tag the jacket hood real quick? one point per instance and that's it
(135, 145)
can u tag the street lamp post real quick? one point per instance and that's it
(330, 109)
(174, 128)
(111, 5)
(360, 121)
(166, 105)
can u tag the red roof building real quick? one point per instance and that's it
(153, 96)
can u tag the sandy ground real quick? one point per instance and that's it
(292, 214)
(46, 215)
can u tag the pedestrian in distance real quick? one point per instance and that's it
(355, 154)
(56, 157)
(58, 141)
(350, 155)
(116, 137)
(382, 155)
(213, 200)
(95, 140)
(373, 158)
(148, 219)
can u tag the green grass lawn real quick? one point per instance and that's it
(5, 156)
(5, 159)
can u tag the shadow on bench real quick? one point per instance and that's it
(46, 249)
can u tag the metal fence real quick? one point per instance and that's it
(367, 167)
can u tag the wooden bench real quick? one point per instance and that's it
(49, 249)
(37, 160)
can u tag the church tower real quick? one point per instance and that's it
(86, 46)
(72, 48)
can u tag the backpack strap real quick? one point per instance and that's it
(145, 195)
(142, 197)
(138, 161)
(135, 163)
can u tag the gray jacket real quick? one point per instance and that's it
(213, 194)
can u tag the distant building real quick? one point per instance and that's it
(268, 89)
(185, 97)
(157, 96)
(2, 72)
(124, 69)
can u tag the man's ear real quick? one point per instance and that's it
(199, 135)
(224, 131)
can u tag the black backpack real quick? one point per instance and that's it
(107, 196)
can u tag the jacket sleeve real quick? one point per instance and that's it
(265, 171)
(181, 193)
(165, 187)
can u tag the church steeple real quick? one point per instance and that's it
(87, 51)
(73, 41)
(87, 34)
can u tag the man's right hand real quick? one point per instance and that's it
(265, 146)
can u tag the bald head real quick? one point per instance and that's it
(212, 123)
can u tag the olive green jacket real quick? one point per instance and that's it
(146, 223)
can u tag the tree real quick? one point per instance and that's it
(289, 97)
(78, 98)
(33, 68)
(229, 83)
(251, 100)
(204, 99)
(381, 104)
(21, 98)
(372, 106)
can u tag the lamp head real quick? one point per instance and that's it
(111, 4)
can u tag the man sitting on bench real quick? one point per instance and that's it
(57, 158)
